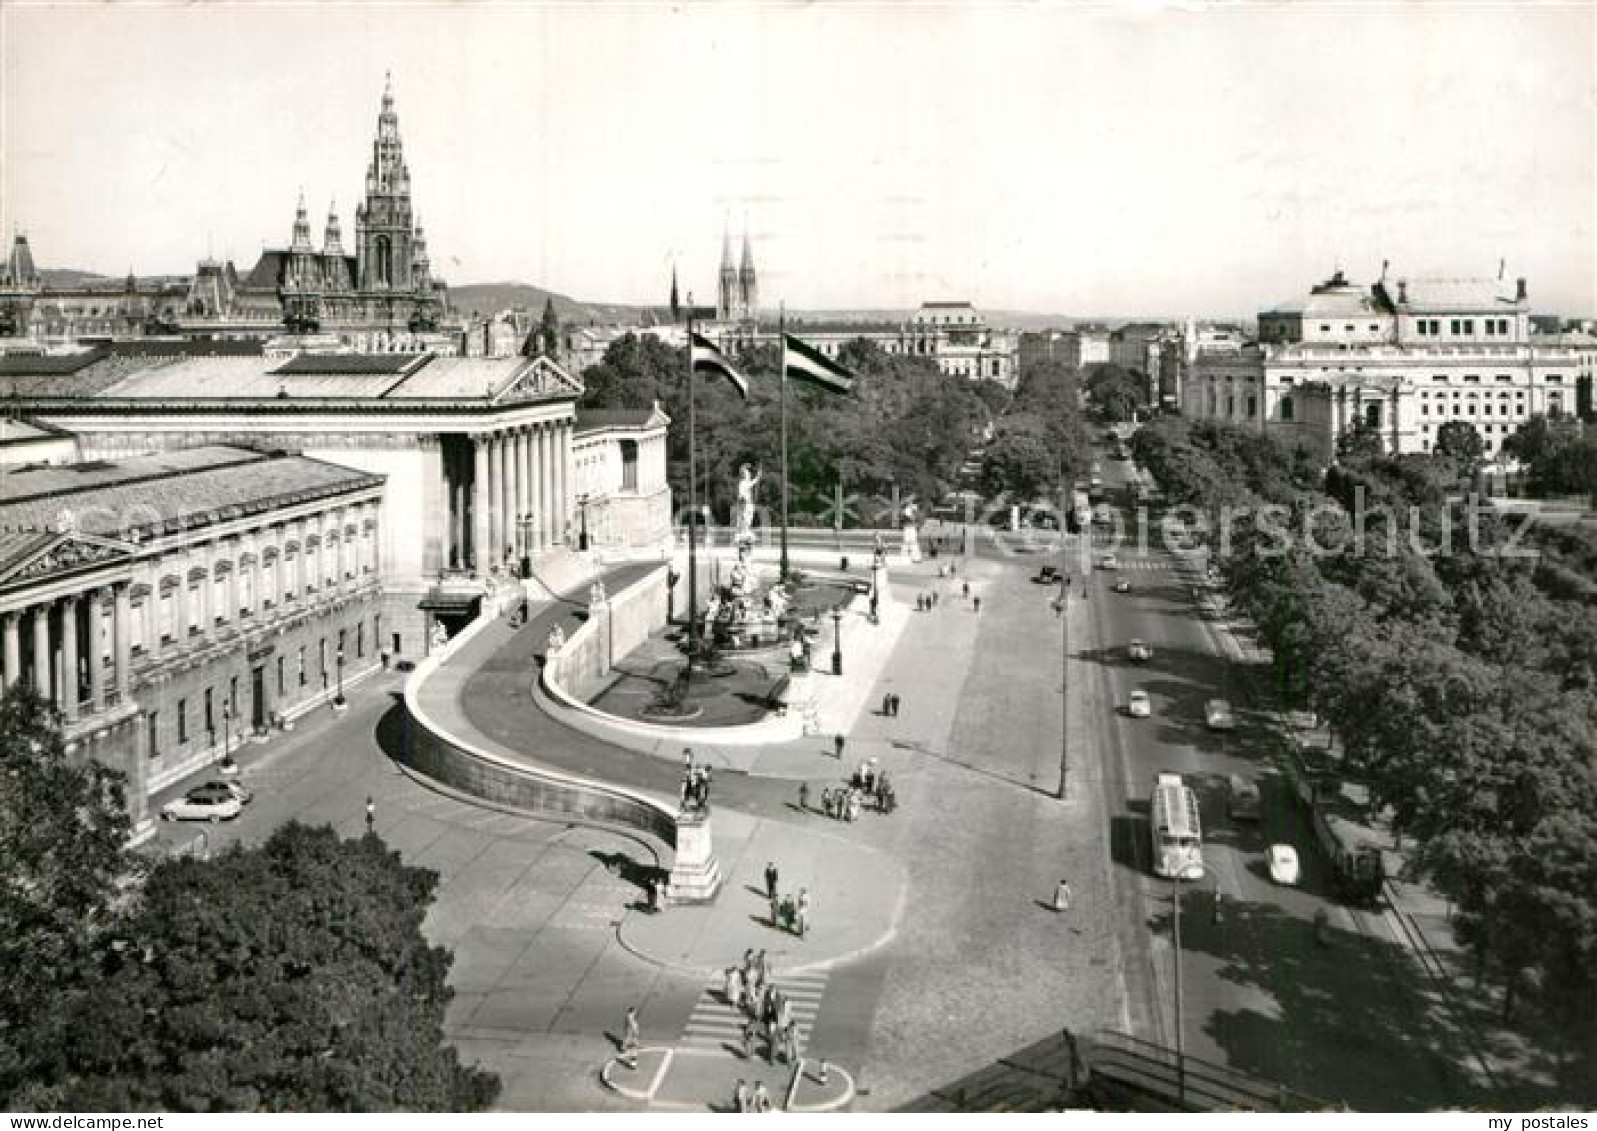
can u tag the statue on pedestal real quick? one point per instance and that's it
(743, 524)
(596, 594)
(557, 639)
(440, 637)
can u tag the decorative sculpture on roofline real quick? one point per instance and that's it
(743, 524)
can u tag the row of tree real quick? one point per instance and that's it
(1460, 677)
(905, 429)
(289, 977)
(1040, 440)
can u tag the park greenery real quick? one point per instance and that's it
(1459, 677)
(904, 430)
(292, 976)
(1559, 454)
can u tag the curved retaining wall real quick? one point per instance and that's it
(464, 766)
(579, 671)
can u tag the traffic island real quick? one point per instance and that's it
(697, 1080)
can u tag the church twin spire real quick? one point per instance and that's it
(739, 291)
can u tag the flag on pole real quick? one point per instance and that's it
(814, 366)
(709, 359)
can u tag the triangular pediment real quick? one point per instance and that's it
(535, 380)
(56, 552)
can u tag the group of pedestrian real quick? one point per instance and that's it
(844, 803)
(890, 703)
(788, 912)
(926, 602)
(751, 991)
(756, 1100)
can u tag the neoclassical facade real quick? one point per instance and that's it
(172, 606)
(1403, 358)
(477, 455)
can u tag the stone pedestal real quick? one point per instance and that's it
(696, 874)
(911, 543)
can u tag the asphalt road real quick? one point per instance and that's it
(1259, 993)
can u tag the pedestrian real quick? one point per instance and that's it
(732, 986)
(764, 968)
(770, 879)
(966, 588)
(887, 704)
(748, 1041)
(371, 813)
(1062, 896)
(976, 603)
(897, 699)
(920, 604)
(1216, 914)
(762, 1098)
(826, 800)
(687, 761)
(837, 744)
(654, 895)
(740, 1097)
(803, 912)
(776, 912)
(804, 796)
(629, 1038)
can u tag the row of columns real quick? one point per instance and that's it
(61, 620)
(517, 495)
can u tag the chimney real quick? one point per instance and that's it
(1519, 290)
(1402, 292)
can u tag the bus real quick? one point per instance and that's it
(1177, 832)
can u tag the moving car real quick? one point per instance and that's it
(1242, 798)
(1139, 706)
(1108, 561)
(201, 804)
(1283, 859)
(1217, 714)
(1122, 585)
(1138, 651)
(1047, 575)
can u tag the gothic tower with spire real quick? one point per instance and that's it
(748, 283)
(384, 232)
(726, 307)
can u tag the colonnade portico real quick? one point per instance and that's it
(502, 494)
(70, 645)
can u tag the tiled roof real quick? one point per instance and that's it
(1460, 295)
(334, 363)
(184, 347)
(591, 420)
(170, 490)
(48, 365)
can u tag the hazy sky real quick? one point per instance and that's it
(1130, 159)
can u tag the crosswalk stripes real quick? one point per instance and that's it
(714, 1025)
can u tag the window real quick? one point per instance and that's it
(282, 680)
(397, 649)
(302, 665)
(194, 612)
(232, 696)
(1469, 326)
(219, 600)
(182, 721)
(1253, 406)
(1286, 408)
(168, 613)
(1472, 378)
(1491, 327)
(1454, 326)
(1503, 378)
(360, 640)
(1425, 408)
(1419, 327)
(154, 730)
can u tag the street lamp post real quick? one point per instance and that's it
(525, 524)
(671, 579)
(227, 733)
(1064, 651)
(582, 511)
(338, 700)
(1181, 1057)
(837, 641)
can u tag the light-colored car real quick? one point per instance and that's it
(1139, 706)
(1138, 652)
(1122, 585)
(225, 788)
(202, 805)
(1217, 714)
(1283, 859)
(1108, 561)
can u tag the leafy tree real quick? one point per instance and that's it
(1017, 462)
(1115, 393)
(1458, 442)
(1360, 441)
(62, 831)
(292, 976)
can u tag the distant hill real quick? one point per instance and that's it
(490, 298)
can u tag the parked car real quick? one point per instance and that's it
(1139, 706)
(1217, 714)
(226, 788)
(1138, 652)
(1122, 585)
(1283, 860)
(201, 804)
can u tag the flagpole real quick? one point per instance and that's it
(693, 506)
(781, 337)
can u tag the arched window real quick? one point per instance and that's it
(383, 261)
(1286, 408)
